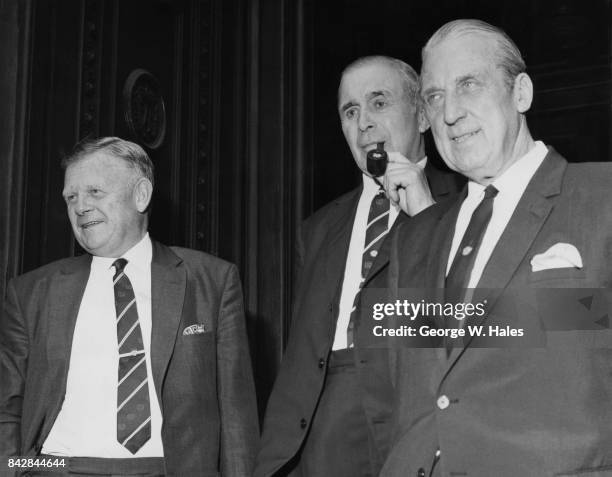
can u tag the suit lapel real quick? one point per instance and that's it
(530, 214)
(168, 283)
(441, 184)
(528, 218)
(339, 234)
(443, 234)
(436, 266)
(441, 242)
(66, 289)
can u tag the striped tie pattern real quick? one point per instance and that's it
(133, 408)
(376, 230)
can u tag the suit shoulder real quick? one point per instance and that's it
(198, 258)
(50, 269)
(322, 214)
(590, 173)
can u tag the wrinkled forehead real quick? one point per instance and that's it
(99, 168)
(458, 55)
(361, 81)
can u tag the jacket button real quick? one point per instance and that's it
(321, 363)
(303, 423)
(443, 402)
(421, 472)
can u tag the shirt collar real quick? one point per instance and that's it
(517, 176)
(139, 256)
(141, 253)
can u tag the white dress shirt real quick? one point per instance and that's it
(511, 186)
(86, 424)
(352, 272)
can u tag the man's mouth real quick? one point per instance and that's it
(371, 145)
(464, 137)
(89, 224)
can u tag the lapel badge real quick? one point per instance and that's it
(196, 329)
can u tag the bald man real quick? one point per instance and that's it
(328, 414)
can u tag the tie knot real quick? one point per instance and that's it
(119, 265)
(490, 192)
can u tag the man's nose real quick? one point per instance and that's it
(82, 205)
(365, 121)
(453, 109)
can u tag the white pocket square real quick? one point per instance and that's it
(560, 255)
(196, 329)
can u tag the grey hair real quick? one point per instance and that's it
(507, 54)
(410, 78)
(132, 153)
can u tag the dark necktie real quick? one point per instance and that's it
(461, 269)
(133, 409)
(376, 230)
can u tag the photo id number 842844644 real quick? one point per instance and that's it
(30, 463)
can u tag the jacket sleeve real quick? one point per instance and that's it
(14, 347)
(236, 390)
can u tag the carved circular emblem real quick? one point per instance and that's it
(145, 112)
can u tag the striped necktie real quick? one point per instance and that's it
(376, 230)
(133, 409)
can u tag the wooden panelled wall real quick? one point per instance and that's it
(253, 142)
(14, 42)
(229, 72)
(567, 45)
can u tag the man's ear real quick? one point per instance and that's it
(143, 191)
(422, 119)
(523, 92)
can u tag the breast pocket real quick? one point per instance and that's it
(197, 342)
(552, 275)
(196, 353)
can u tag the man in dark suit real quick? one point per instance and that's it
(131, 359)
(528, 224)
(328, 413)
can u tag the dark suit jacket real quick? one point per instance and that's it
(535, 411)
(322, 250)
(204, 382)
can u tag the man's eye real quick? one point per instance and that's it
(469, 84)
(70, 198)
(433, 99)
(350, 113)
(380, 103)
